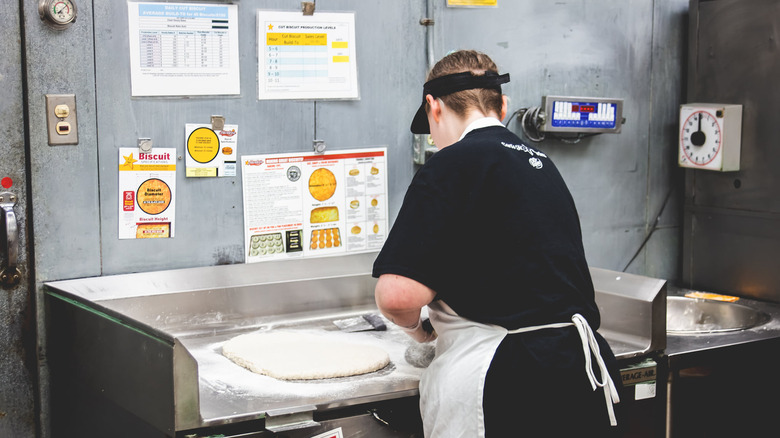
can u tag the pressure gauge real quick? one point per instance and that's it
(58, 14)
(710, 136)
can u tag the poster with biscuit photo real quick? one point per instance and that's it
(210, 152)
(147, 187)
(314, 205)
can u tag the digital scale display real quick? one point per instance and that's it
(582, 114)
(583, 108)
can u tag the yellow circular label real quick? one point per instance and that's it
(203, 145)
(153, 196)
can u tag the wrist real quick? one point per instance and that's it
(412, 328)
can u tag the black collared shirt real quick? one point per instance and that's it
(489, 224)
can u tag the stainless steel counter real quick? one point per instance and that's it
(151, 342)
(715, 380)
(188, 314)
(230, 393)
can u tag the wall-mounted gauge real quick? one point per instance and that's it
(58, 14)
(710, 136)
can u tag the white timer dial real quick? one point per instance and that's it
(701, 138)
(710, 136)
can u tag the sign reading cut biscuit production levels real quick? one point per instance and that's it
(306, 57)
(147, 185)
(311, 205)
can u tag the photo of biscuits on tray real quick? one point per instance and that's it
(325, 238)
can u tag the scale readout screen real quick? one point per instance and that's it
(584, 114)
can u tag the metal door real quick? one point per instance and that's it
(17, 322)
(731, 236)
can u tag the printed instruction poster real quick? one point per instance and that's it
(147, 187)
(311, 205)
(306, 56)
(183, 49)
(210, 152)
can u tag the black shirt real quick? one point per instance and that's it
(489, 224)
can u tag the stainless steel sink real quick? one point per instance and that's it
(699, 316)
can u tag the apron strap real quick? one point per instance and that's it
(589, 347)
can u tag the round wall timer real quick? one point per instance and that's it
(710, 136)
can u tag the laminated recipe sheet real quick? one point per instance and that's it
(147, 188)
(311, 205)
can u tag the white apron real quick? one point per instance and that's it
(452, 386)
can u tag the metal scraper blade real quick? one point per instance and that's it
(361, 323)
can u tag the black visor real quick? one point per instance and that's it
(453, 83)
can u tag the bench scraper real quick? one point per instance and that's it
(369, 321)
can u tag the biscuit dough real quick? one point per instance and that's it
(303, 356)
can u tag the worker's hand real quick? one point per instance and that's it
(421, 332)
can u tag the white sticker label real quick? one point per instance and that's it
(644, 390)
(335, 433)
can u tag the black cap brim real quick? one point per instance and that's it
(420, 121)
(453, 83)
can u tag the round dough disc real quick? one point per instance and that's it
(303, 356)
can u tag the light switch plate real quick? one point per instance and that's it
(62, 130)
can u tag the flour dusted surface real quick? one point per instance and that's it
(303, 356)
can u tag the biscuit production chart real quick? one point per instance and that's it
(183, 49)
(306, 57)
(311, 205)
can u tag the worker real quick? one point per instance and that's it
(489, 239)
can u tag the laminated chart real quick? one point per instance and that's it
(313, 205)
(183, 49)
(147, 188)
(306, 57)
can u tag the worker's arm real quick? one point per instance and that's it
(400, 299)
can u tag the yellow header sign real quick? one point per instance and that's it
(472, 2)
(296, 39)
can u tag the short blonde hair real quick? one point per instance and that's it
(486, 100)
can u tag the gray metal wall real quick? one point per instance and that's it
(630, 50)
(209, 229)
(626, 49)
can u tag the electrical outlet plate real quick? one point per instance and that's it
(61, 119)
